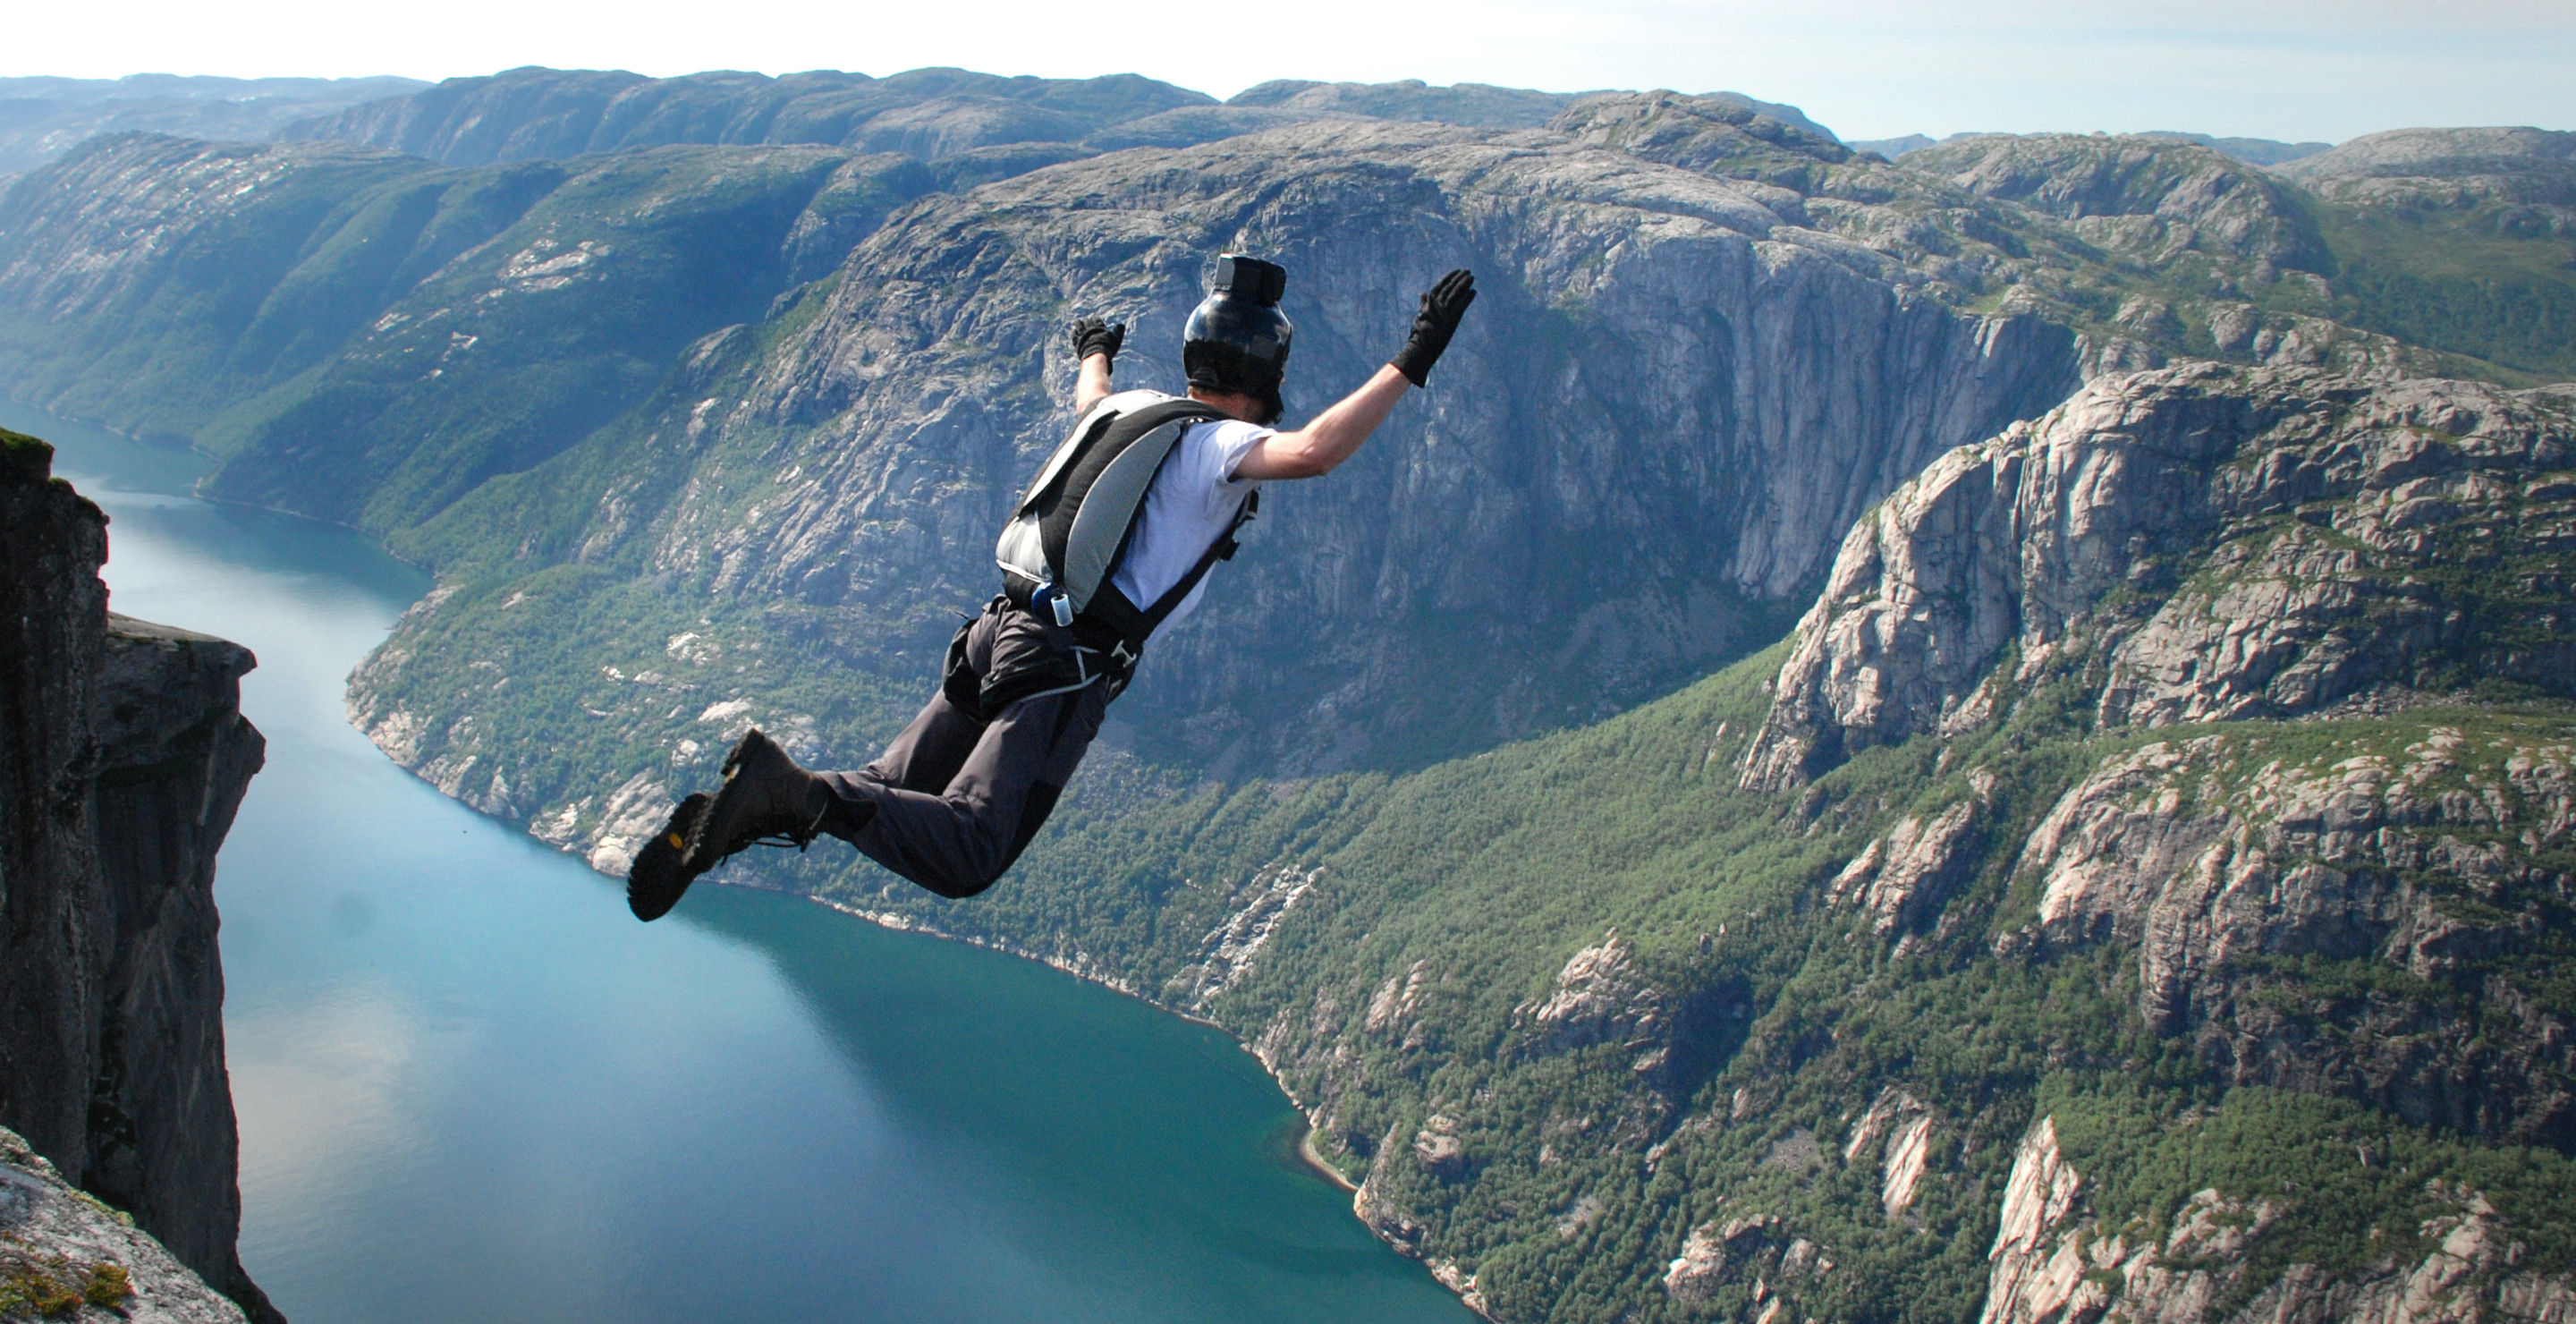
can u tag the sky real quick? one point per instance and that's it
(2298, 70)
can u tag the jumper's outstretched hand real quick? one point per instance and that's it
(1442, 306)
(1094, 336)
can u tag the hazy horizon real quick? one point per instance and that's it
(2299, 71)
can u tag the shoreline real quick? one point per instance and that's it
(1306, 1150)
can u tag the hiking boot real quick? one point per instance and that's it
(766, 798)
(659, 875)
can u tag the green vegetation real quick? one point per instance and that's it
(1473, 882)
(24, 454)
(2347, 1186)
(38, 1286)
(2457, 278)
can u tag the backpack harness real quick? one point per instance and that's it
(1067, 537)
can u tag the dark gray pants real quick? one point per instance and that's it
(964, 789)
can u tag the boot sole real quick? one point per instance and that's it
(661, 872)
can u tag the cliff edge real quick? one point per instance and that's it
(123, 756)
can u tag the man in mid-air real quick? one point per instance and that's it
(1111, 541)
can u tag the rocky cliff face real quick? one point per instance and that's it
(2220, 545)
(127, 756)
(55, 902)
(2201, 546)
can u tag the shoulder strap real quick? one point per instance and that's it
(1086, 433)
(1133, 624)
(1223, 549)
(1088, 510)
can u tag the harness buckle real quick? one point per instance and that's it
(1047, 597)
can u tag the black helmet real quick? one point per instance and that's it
(1237, 340)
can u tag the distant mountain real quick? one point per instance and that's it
(1892, 148)
(2148, 194)
(535, 113)
(41, 118)
(542, 114)
(2251, 151)
(1474, 105)
(2528, 174)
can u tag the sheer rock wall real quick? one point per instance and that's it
(126, 755)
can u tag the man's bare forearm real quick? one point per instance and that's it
(1091, 386)
(1313, 450)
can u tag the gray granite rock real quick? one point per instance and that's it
(64, 1255)
(2263, 541)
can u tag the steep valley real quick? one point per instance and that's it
(2137, 886)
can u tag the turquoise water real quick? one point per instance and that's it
(472, 1087)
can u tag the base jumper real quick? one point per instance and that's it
(1112, 539)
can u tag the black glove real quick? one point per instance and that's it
(1432, 327)
(1093, 336)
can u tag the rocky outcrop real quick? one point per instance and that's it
(126, 756)
(64, 1255)
(175, 756)
(1904, 1124)
(2054, 1262)
(2419, 852)
(1226, 954)
(2327, 505)
(1903, 876)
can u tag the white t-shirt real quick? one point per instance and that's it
(1192, 500)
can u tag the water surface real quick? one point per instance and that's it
(473, 1088)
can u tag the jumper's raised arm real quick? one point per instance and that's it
(1330, 438)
